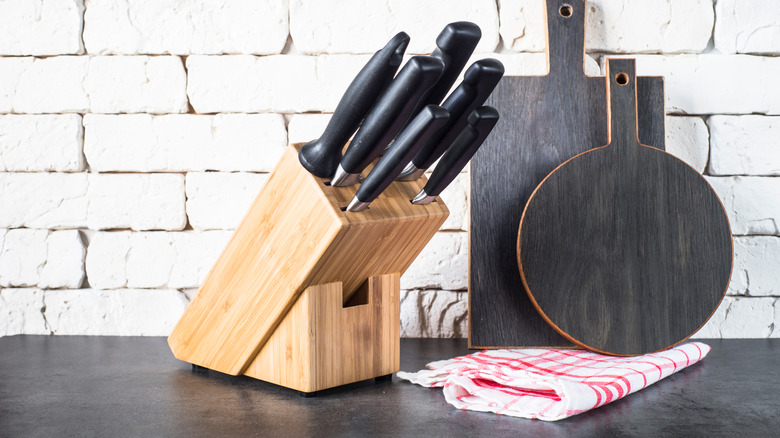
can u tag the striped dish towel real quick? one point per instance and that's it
(549, 384)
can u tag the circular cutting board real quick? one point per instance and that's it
(624, 249)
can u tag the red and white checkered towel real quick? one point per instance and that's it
(549, 384)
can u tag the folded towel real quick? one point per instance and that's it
(549, 384)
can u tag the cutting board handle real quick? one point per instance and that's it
(621, 102)
(565, 36)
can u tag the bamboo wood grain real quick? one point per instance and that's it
(625, 249)
(545, 120)
(296, 235)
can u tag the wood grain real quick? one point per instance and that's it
(296, 235)
(320, 344)
(625, 249)
(545, 120)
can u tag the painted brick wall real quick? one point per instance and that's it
(134, 134)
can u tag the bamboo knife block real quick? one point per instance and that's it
(306, 295)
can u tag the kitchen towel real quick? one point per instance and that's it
(549, 384)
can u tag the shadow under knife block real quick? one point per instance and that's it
(306, 295)
(545, 120)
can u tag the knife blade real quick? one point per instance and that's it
(408, 142)
(454, 46)
(386, 118)
(480, 123)
(321, 156)
(482, 76)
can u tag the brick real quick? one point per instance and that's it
(52, 85)
(185, 27)
(42, 28)
(43, 200)
(136, 201)
(747, 27)
(217, 200)
(744, 145)
(434, 314)
(751, 203)
(331, 26)
(43, 258)
(687, 138)
(713, 84)
(755, 266)
(629, 26)
(35, 143)
(441, 265)
(125, 312)
(742, 317)
(21, 312)
(306, 127)
(11, 71)
(152, 259)
(183, 142)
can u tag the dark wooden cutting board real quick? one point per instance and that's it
(625, 249)
(545, 120)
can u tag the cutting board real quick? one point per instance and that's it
(545, 120)
(625, 249)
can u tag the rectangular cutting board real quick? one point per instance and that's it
(545, 120)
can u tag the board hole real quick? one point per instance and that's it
(565, 11)
(621, 79)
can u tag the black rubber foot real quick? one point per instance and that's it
(198, 368)
(307, 394)
(385, 378)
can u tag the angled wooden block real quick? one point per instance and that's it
(296, 235)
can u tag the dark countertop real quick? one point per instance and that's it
(114, 386)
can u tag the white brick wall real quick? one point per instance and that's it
(134, 135)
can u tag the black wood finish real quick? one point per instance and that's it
(625, 248)
(93, 386)
(545, 120)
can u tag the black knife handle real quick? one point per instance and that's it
(480, 123)
(478, 82)
(322, 156)
(454, 47)
(404, 147)
(391, 111)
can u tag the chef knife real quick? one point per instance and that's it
(480, 123)
(322, 156)
(454, 46)
(388, 115)
(481, 77)
(408, 142)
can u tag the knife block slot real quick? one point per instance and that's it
(306, 295)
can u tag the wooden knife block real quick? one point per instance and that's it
(306, 295)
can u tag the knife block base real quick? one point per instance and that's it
(321, 343)
(306, 294)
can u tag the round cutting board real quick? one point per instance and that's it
(624, 249)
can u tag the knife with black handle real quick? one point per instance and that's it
(387, 117)
(480, 123)
(408, 142)
(321, 156)
(478, 82)
(454, 46)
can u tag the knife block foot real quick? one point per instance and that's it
(305, 294)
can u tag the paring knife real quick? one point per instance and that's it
(479, 81)
(387, 117)
(454, 46)
(322, 156)
(408, 142)
(480, 123)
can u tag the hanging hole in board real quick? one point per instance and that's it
(565, 11)
(621, 79)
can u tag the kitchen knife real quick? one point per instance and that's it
(454, 46)
(387, 117)
(408, 142)
(480, 123)
(322, 156)
(479, 81)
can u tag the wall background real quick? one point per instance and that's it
(135, 133)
